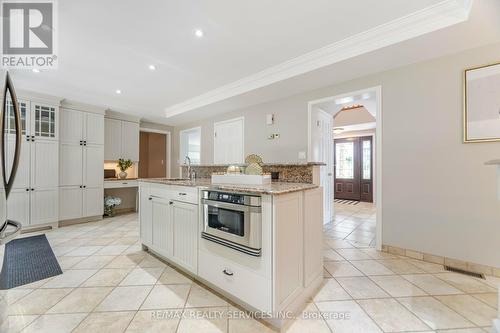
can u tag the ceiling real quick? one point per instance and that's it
(100, 52)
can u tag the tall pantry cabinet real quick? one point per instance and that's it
(33, 200)
(81, 180)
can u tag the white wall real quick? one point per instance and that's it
(438, 196)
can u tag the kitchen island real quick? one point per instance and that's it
(258, 245)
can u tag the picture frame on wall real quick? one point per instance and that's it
(481, 115)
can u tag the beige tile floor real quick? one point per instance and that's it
(354, 223)
(110, 285)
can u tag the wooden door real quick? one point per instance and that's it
(229, 141)
(353, 169)
(153, 155)
(185, 234)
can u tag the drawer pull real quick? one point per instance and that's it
(182, 193)
(227, 273)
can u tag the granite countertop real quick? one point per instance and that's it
(263, 164)
(274, 188)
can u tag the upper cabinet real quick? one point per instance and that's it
(121, 140)
(229, 141)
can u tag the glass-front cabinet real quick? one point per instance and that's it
(37, 120)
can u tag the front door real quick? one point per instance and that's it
(353, 169)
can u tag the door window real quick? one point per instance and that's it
(367, 159)
(344, 160)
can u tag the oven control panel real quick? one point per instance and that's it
(226, 197)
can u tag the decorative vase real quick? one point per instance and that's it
(122, 175)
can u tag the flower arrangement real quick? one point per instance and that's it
(124, 165)
(109, 205)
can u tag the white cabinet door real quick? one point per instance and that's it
(185, 234)
(162, 226)
(70, 202)
(145, 216)
(93, 201)
(112, 139)
(71, 164)
(44, 121)
(18, 206)
(130, 139)
(22, 180)
(93, 160)
(44, 164)
(44, 205)
(71, 126)
(229, 141)
(94, 129)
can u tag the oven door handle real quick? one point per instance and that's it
(226, 205)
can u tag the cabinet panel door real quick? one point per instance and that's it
(44, 205)
(94, 129)
(71, 126)
(44, 121)
(162, 226)
(130, 137)
(71, 164)
(145, 217)
(93, 175)
(70, 202)
(22, 180)
(18, 206)
(185, 235)
(93, 201)
(44, 163)
(112, 139)
(229, 141)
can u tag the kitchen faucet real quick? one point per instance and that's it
(190, 172)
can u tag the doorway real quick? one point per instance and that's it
(362, 128)
(353, 172)
(153, 161)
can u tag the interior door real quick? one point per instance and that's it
(354, 169)
(229, 141)
(326, 153)
(347, 169)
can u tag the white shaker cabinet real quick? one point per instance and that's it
(121, 140)
(34, 198)
(184, 218)
(162, 225)
(81, 163)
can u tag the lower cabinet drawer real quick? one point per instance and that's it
(251, 288)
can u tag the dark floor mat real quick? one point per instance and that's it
(28, 260)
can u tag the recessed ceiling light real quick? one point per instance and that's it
(198, 33)
(35, 70)
(118, 91)
(152, 67)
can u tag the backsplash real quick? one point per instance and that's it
(288, 172)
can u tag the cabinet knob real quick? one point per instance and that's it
(171, 203)
(182, 193)
(150, 198)
(27, 189)
(227, 273)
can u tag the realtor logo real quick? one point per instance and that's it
(28, 34)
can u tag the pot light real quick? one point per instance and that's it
(152, 67)
(198, 33)
(35, 70)
(118, 91)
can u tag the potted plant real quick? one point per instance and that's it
(110, 203)
(123, 165)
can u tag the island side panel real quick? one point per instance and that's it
(288, 248)
(313, 235)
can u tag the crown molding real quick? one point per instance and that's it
(439, 16)
(75, 105)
